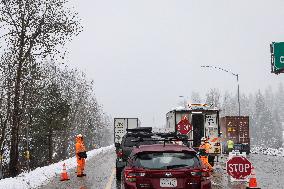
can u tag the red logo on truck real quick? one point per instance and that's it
(183, 126)
(238, 167)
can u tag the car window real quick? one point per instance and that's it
(166, 160)
(132, 141)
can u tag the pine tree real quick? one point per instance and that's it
(263, 133)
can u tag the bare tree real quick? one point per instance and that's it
(34, 29)
(213, 97)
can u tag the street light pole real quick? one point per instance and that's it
(239, 94)
(237, 75)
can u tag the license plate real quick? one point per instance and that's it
(168, 182)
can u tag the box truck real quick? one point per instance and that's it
(197, 121)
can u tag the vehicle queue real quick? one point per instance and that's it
(181, 156)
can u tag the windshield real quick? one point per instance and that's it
(166, 160)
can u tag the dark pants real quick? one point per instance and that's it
(230, 150)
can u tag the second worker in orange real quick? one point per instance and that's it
(81, 155)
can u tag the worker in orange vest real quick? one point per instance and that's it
(81, 155)
(204, 150)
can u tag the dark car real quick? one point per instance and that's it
(133, 138)
(165, 166)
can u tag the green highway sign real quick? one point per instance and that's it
(277, 57)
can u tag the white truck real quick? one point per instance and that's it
(197, 121)
(121, 125)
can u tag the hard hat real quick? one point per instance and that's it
(79, 136)
(203, 139)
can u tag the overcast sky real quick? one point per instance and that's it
(142, 55)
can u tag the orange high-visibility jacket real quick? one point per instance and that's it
(205, 146)
(79, 146)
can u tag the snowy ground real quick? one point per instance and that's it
(268, 151)
(42, 175)
(100, 175)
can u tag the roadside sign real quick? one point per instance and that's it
(183, 126)
(239, 167)
(277, 57)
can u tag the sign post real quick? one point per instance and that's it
(277, 57)
(239, 168)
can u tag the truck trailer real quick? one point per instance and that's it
(121, 125)
(236, 128)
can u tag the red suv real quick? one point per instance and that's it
(165, 166)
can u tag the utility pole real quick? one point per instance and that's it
(236, 75)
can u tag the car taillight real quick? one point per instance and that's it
(196, 173)
(119, 153)
(131, 175)
(200, 173)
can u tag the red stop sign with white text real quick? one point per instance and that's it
(238, 167)
(183, 126)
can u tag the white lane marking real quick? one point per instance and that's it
(110, 180)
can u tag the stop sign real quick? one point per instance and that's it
(238, 167)
(183, 126)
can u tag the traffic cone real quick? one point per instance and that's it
(64, 174)
(252, 180)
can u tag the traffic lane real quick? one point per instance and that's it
(99, 170)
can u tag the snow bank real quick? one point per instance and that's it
(267, 151)
(41, 175)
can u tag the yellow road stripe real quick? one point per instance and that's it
(110, 180)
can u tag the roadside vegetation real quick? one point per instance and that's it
(43, 103)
